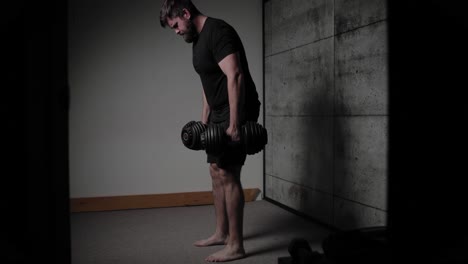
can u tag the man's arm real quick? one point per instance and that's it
(205, 109)
(231, 67)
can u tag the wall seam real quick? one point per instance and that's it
(360, 27)
(299, 184)
(326, 193)
(299, 46)
(325, 38)
(264, 194)
(333, 123)
(360, 203)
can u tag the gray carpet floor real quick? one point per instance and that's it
(165, 235)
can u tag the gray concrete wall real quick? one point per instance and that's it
(326, 109)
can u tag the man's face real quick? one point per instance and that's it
(184, 27)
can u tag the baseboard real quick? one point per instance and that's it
(110, 203)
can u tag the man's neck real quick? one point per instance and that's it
(199, 22)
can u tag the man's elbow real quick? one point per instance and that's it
(236, 76)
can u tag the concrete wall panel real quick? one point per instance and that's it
(361, 159)
(268, 76)
(299, 22)
(299, 150)
(326, 100)
(311, 202)
(350, 215)
(267, 28)
(361, 74)
(302, 81)
(351, 14)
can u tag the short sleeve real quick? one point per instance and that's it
(225, 41)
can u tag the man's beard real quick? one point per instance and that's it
(191, 34)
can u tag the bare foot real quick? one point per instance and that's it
(214, 240)
(229, 253)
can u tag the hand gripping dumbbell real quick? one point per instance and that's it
(213, 138)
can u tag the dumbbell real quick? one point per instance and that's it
(301, 253)
(213, 138)
(191, 135)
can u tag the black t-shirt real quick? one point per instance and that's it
(217, 40)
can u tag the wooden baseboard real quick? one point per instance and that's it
(93, 204)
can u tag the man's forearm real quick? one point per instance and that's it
(234, 92)
(205, 110)
(205, 114)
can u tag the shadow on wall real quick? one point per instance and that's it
(314, 157)
(321, 133)
(300, 155)
(325, 156)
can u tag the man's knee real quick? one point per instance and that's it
(218, 174)
(213, 168)
(229, 174)
(215, 172)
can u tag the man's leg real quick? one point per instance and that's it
(234, 205)
(221, 233)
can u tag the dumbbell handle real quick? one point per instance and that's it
(232, 143)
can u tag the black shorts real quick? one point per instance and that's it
(232, 155)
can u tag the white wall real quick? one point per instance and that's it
(133, 87)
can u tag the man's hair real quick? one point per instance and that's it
(174, 8)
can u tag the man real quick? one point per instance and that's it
(229, 99)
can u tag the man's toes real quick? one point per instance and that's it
(210, 259)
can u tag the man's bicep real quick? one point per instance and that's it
(230, 65)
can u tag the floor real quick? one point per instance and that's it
(165, 235)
